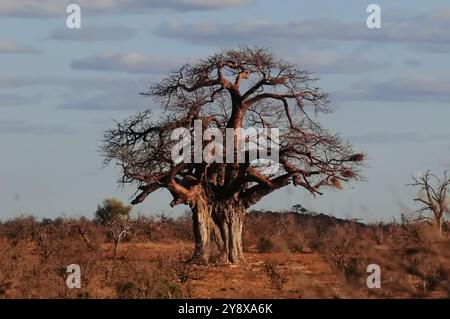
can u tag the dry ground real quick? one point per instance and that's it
(287, 256)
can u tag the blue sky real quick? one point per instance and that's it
(60, 88)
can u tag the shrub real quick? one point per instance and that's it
(110, 210)
(277, 280)
(20, 229)
(265, 245)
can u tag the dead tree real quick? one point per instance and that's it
(434, 197)
(118, 229)
(236, 89)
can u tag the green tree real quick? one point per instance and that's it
(115, 217)
(110, 210)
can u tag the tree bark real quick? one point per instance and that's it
(229, 218)
(202, 228)
(438, 223)
(220, 223)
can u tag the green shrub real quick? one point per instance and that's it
(110, 210)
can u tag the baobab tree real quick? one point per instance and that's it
(233, 89)
(433, 196)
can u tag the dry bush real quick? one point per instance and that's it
(165, 229)
(139, 282)
(20, 229)
(422, 254)
(8, 264)
(289, 232)
(265, 245)
(277, 280)
(181, 269)
(186, 269)
(343, 247)
(36, 260)
(414, 258)
(168, 278)
(35, 256)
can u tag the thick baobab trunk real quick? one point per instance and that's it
(201, 219)
(221, 223)
(229, 219)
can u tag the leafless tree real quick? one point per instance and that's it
(119, 228)
(433, 196)
(247, 87)
(115, 217)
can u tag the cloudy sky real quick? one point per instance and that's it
(60, 88)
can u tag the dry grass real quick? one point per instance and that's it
(288, 256)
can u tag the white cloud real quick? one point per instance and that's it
(430, 28)
(94, 33)
(414, 63)
(18, 127)
(421, 88)
(10, 47)
(109, 95)
(325, 62)
(53, 8)
(12, 99)
(396, 137)
(125, 99)
(86, 83)
(131, 62)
